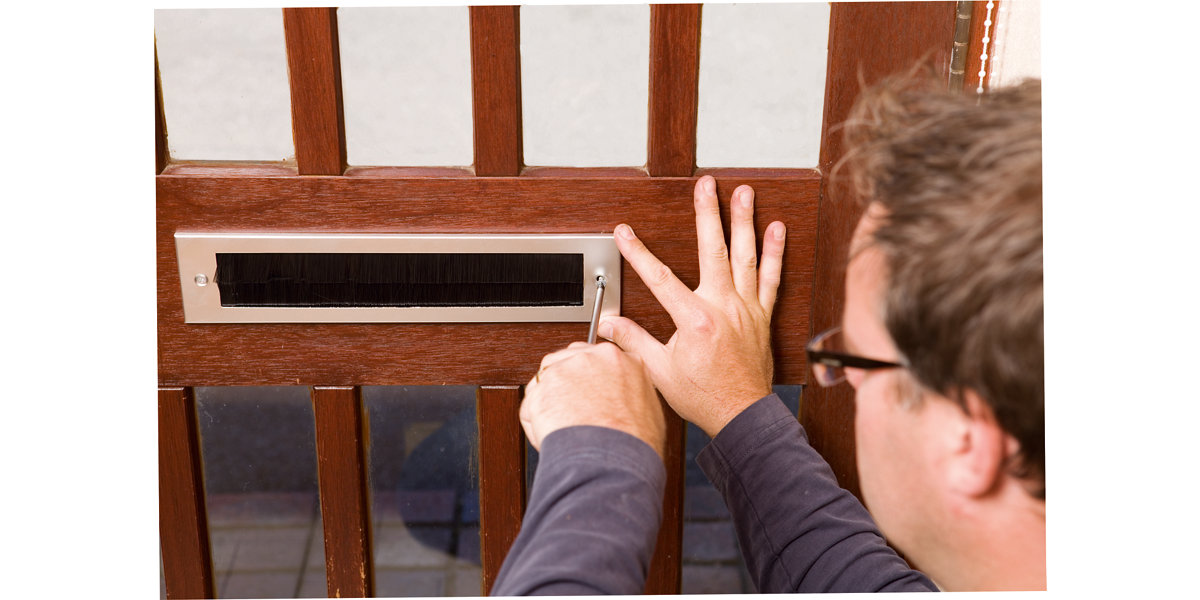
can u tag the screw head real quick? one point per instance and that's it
(202, 280)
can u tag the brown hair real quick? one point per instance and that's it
(961, 178)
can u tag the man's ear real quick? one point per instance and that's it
(981, 450)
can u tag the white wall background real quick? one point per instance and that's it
(1018, 39)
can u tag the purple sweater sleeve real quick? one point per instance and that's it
(592, 519)
(799, 531)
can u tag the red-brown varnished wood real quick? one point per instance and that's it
(665, 575)
(979, 18)
(674, 89)
(867, 41)
(584, 172)
(160, 124)
(722, 172)
(659, 209)
(345, 505)
(501, 476)
(182, 519)
(496, 89)
(409, 172)
(200, 168)
(314, 70)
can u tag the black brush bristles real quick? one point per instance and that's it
(400, 280)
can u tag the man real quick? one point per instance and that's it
(941, 337)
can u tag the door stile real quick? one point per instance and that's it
(161, 156)
(867, 41)
(182, 516)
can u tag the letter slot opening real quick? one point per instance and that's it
(399, 278)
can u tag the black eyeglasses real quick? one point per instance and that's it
(829, 360)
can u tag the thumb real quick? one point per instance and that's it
(636, 341)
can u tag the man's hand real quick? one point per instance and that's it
(719, 361)
(593, 384)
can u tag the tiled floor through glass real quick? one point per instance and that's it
(264, 510)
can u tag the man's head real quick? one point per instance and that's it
(945, 276)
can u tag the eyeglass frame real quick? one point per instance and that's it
(841, 360)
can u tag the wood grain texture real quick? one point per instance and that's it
(409, 172)
(867, 41)
(207, 168)
(659, 209)
(674, 89)
(314, 72)
(665, 575)
(979, 16)
(160, 122)
(584, 172)
(182, 518)
(496, 89)
(501, 476)
(345, 505)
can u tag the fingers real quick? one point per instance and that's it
(771, 266)
(672, 294)
(710, 236)
(743, 259)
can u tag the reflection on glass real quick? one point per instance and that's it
(260, 477)
(406, 85)
(224, 84)
(712, 561)
(424, 490)
(762, 84)
(585, 84)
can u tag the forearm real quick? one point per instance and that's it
(592, 519)
(799, 531)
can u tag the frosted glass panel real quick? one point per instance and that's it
(762, 84)
(584, 84)
(224, 84)
(424, 490)
(260, 483)
(406, 85)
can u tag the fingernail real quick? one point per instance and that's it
(605, 328)
(625, 231)
(747, 197)
(780, 231)
(709, 184)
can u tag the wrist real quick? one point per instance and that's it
(727, 412)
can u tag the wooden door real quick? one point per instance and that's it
(499, 194)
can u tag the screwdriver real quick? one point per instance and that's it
(600, 281)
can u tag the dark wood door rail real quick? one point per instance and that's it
(499, 194)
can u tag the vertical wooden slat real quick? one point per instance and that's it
(182, 519)
(671, 152)
(501, 475)
(160, 124)
(314, 71)
(345, 503)
(979, 18)
(674, 89)
(867, 41)
(496, 89)
(666, 571)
